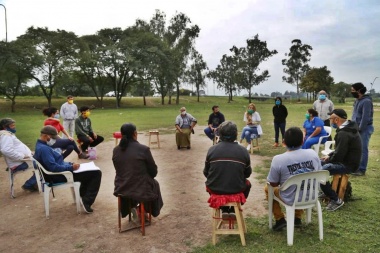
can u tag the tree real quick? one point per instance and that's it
(197, 72)
(317, 79)
(296, 64)
(341, 90)
(249, 58)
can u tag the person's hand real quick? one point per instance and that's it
(76, 166)
(90, 139)
(95, 136)
(70, 138)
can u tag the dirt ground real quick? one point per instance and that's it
(185, 220)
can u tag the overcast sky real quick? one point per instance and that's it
(344, 34)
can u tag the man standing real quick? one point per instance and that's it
(53, 161)
(294, 161)
(83, 129)
(363, 116)
(69, 112)
(228, 164)
(345, 158)
(214, 120)
(324, 106)
(15, 151)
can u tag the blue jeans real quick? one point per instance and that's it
(247, 133)
(210, 134)
(31, 181)
(311, 141)
(365, 135)
(277, 128)
(333, 168)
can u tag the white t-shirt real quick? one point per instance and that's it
(291, 163)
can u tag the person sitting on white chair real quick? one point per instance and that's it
(15, 151)
(294, 161)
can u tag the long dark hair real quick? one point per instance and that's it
(127, 130)
(49, 111)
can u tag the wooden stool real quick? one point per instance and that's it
(117, 136)
(141, 208)
(255, 147)
(218, 222)
(156, 133)
(215, 140)
(339, 184)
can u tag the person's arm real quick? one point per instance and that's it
(150, 164)
(316, 132)
(286, 111)
(45, 156)
(62, 112)
(7, 148)
(206, 168)
(274, 176)
(331, 108)
(248, 168)
(366, 114)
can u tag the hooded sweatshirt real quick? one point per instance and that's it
(363, 112)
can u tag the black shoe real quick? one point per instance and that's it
(188, 147)
(358, 173)
(29, 188)
(86, 207)
(297, 222)
(280, 224)
(178, 147)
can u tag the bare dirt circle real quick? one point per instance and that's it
(184, 222)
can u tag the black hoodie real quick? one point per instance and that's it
(280, 112)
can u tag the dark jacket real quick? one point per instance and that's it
(227, 166)
(363, 112)
(280, 113)
(348, 147)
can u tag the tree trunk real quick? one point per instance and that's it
(177, 97)
(13, 105)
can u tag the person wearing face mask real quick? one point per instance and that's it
(253, 128)
(313, 129)
(14, 151)
(69, 112)
(362, 114)
(68, 145)
(345, 159)
(84, 131)
(279, 113)
(324, 106)
(184, 124)
(53, 161)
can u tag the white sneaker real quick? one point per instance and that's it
(249, 147)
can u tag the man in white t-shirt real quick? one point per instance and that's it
(294, 161)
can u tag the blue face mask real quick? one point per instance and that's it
(322, 97)
(12, 130)
(333, 125)
(56, 116)
(278, 102)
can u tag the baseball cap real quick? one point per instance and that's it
(340, 113)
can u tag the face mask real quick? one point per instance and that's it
(278, 102)
(322, 97)
(307, 116)
(183, 113)
(70, 101)
(56, 116)
(12, 130)
(87, 114)
(334, 125)
(251, 111)
(51, 142)
(355, 94)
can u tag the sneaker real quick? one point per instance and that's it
(297, 222)
(30, 188)
(275, 145)
(321, 195)
(334, 205)
(249, 147)
(178, 147)
(358, 173)
(280, 224)
(85, 206)
(83, 156)
(284, 145)
(134, 214)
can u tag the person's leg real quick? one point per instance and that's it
(85, 142)
(277, 212)
(90, 184)
(310, 142)
(365, 136)
(99, 139)
(71, 127)
(247, 188)
(282, 129)
(64, 144)
(333, 169)
(209, 133)
(276, 132)
(31, 182)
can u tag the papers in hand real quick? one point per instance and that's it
(86, 167)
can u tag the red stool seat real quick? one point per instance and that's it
(117, 136)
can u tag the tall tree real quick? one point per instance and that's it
(296, 64)
(317, 79)
(197, 72)
(341, 90)
(249, 58)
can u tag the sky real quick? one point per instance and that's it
(344, 34)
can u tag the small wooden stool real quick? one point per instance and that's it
(142, 222)
(339, 184)
(117, 136)
(215, 140)
(218, 222)
(156, 133)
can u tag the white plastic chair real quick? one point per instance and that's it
(303, 199)
(47, 187)
(316, 146)
(328, 150)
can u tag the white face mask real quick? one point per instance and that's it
(183, 113)
(51, 142)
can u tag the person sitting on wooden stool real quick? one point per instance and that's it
(214, 120)
(345, 159)
(227, 166)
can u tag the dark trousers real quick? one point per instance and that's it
(90, 184)
(67, 145)
(277, 128)
(86, 141)
(327, 123)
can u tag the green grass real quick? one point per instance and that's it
(353, 228)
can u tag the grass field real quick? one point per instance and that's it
(353, 228)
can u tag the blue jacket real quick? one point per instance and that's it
(363, 112)
(50, 159)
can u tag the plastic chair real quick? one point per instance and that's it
(316, 146)
(303, 199)
(47, 186)
(328, 150)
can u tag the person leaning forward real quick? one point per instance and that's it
(184, 124)
(53, 161)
